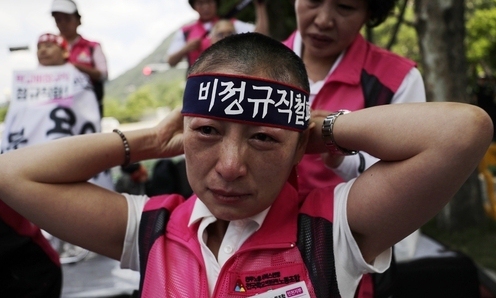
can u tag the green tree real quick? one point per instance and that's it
(397, 33)
(474, 5)
(145, 100)
(441, 32)
(113, 108)
(169, 94)
(137, 104)
(481, 41)
(3, 112)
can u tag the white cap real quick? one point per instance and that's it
(64, 6)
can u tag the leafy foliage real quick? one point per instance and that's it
(3, 112)
(474, 5)
(481, 41)
(145, 100)
(406, 40)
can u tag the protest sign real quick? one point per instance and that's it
(49, 103)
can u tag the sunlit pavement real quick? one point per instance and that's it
(98, 276)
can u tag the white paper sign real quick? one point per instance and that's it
(49, 103)
(45, 84)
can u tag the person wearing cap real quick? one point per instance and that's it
(191, 40)
(244, 126)
(86, 55)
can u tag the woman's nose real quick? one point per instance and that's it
(231, 163)
(324, 18)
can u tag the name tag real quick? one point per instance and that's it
(297, 290)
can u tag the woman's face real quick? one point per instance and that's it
(328, 27)
(238, 170)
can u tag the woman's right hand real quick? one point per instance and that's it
(170, 134)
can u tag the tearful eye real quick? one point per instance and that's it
(346, 7)
(207, 130)
(263, 137)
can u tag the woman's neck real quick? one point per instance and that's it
(216, 232)
(70, 39)
(317, 67)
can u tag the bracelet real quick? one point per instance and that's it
(127, 149)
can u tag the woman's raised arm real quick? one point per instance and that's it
(48, 185)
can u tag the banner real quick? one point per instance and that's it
(49, 103)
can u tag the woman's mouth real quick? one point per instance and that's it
(318, 40)
(228, 196)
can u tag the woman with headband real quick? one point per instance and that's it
(244, 126)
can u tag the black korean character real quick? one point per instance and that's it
(21, 94)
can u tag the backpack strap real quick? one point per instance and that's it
(315, 242)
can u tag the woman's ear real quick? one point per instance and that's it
(65, 54)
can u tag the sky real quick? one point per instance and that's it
(128, 30)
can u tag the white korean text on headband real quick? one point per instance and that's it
(246, 99)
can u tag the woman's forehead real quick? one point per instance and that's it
(248, 99)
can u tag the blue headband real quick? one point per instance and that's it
(246, 99)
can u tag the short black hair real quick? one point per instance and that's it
(379, 11)
(254, 54)
(192, 3)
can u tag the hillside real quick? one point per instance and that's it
(133, 79)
